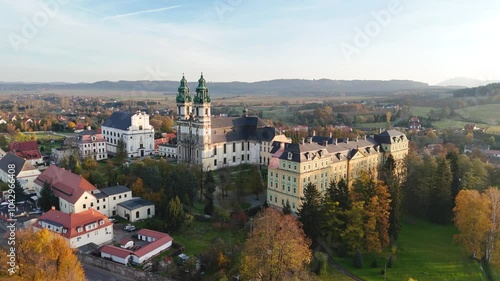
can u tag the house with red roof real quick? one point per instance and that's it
(156, 242)
(79, 229)
(75, 193)
(91, 144)
(27, 150)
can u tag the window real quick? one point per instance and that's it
(137, 214)
(125, 195)
(101, 222)
(282, 201)
(242, 146)
(91, 204)
(215, 162)
(215, 150)
(98, 208)
(225, 160)
(248, 145)
(103, 199)
(119, 197)
(242, 157)
(84, 206)
(224, 151)
(234, 159)
(114, 197)
(234, 147)
(270, 198)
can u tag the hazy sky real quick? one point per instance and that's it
(248, 40)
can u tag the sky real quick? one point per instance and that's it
(248, 40)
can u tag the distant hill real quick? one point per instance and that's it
(291, 87)
(464, 82)
(488, 90)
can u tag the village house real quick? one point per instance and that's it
(27, 150)
(23, 171)
(78, 229)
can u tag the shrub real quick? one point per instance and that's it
(374, 263)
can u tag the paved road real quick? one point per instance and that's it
(93, 273)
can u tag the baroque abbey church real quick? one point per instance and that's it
(216, 142)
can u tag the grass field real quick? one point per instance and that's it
(424, 252)
(487, 113)
(334, 275)
(450, 124)
(198, 237)
(421, 110)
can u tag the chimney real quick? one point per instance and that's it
(357, 138)
(335, 141)
(330, 134)
(314, 133)
(326, 143)
(88, 128)
(302, 141)
(53, 207)
(347, 140)
(364, 137)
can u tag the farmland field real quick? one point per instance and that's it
(488, 113)
(493, 130)
(421, 110)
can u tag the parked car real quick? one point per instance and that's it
(112, 220)
(129, 228)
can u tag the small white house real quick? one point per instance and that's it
(135, 209)
(167, 150)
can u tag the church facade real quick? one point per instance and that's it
(217, 142)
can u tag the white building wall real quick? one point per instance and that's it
(152, 253)
(143, 213)
(113, 200)
(140, 132)
(115, 258)
(98, 237)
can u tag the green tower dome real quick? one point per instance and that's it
(202, 91)
(183, 91)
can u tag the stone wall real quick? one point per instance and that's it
(121, 269)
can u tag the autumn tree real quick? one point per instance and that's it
(138, 187)
(376, 199)
(277, 247)
(309, 211)
(477, 217)
(44, 255)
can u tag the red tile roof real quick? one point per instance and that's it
(74, 220)
(125, 240)
(151, 233)
(153, 245)
(116, 251)
(26, 150)
(65, 184)
(160, 141)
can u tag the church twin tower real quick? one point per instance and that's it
(193, 122)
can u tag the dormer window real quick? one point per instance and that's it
(290, 155)
(79, 229)
(101, 222)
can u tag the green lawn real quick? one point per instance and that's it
(487, 113)
(451, 124)
(334, 275)
(198, 237)
(425, 252)
(421, 110)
